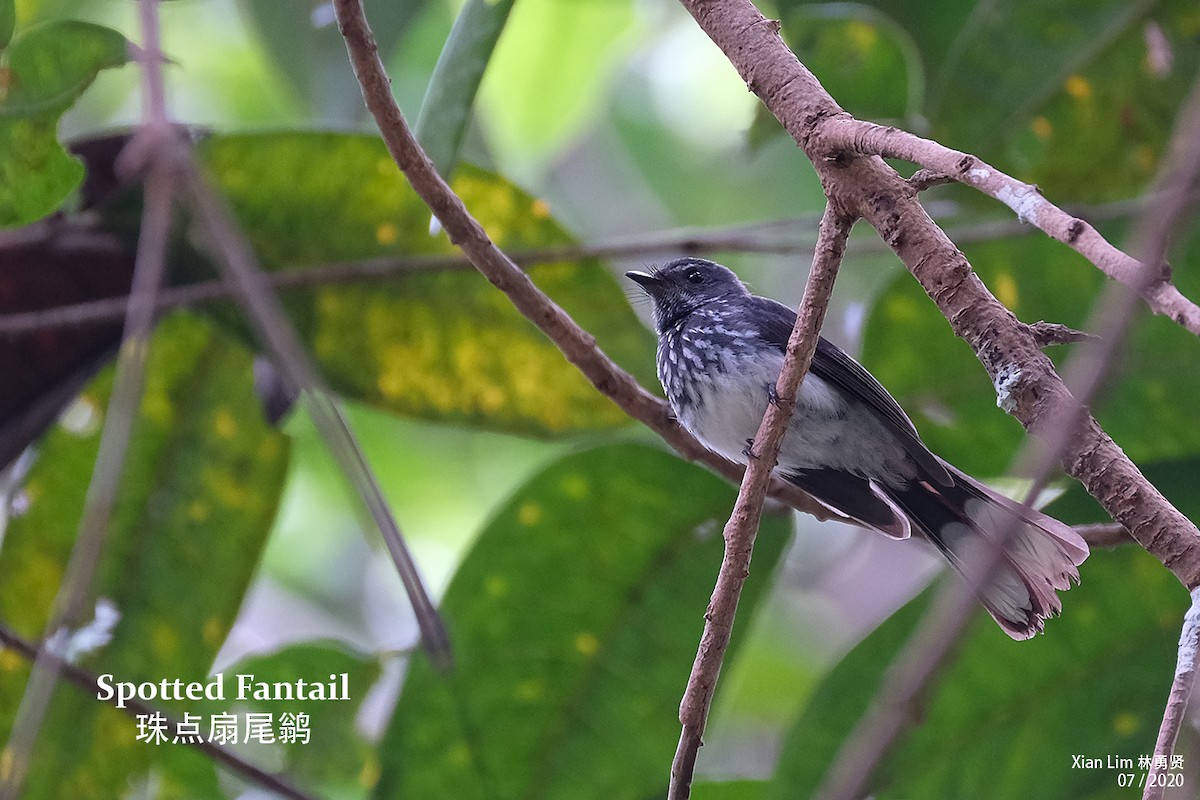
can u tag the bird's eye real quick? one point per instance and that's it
(694, 276)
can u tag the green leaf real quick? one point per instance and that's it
(1065, 96)
(575, 616)
(730, 790)
(43, 71)
(49, 66)
(446, 109)
(946, 391)
(1094, 684)
(336, 756)
(867, 62)
(446, 346)
(36, 173)
(198, 496)
(8, 21)
(1090, 119)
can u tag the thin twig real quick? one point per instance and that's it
(1177, 701)
(1104, 534)
(924, 179)
(743, 523)
(123, 405)
(752, 238)
(1051, 333)
(839, 135)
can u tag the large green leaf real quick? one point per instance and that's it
(951, 400)
(1087, 119)
(863, 58)
(577, 614)
(44, 70)
(198, 496)
(444, 346)
(1005, 718)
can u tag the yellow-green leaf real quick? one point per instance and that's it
(446, 345)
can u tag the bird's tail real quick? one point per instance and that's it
(1040, 554)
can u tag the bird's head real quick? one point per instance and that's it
(684, 285)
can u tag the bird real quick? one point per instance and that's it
(848, 444)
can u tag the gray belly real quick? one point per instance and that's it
(826, 430)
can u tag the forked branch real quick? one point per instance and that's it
(1034, 392)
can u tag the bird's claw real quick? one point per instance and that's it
(772, 395)
(748, 450)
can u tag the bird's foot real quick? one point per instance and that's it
(772, 395)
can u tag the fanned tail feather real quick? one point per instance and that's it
(1040, 558)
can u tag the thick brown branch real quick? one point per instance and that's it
(1031, 388)
(742, 526)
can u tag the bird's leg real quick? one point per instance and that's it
(773, 399)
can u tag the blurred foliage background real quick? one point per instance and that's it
(574, 555)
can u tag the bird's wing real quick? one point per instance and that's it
(839, 370)
(856, 497)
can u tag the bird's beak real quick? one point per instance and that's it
(643, 279)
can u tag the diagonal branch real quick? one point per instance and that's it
(846, 134)
(1033, 391)
(86, 682)
(933, 643)
(743, 523)
(576, 344)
